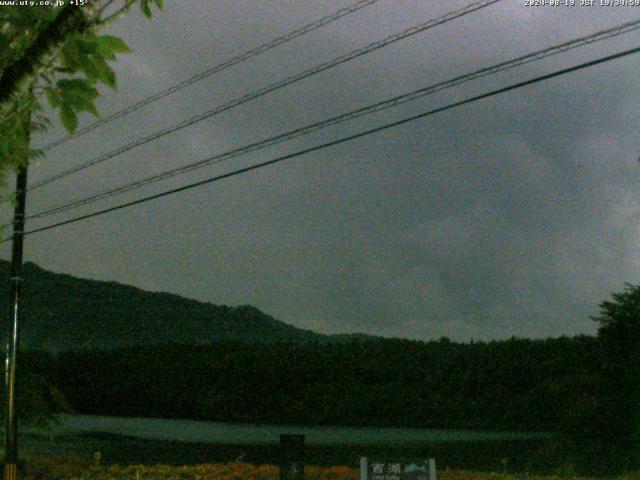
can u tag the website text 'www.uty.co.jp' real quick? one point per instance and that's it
(42, 3)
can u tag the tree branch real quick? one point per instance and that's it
(71, 19)
(127, 5)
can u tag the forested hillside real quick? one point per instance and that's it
(63, 312)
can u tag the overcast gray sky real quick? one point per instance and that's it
(515, 215)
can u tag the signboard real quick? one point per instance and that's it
(379, 469)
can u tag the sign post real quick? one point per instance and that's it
(386, 469)
(291, 457)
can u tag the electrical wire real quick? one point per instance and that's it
(336, 142)
(273, 87)
(377, 107)
(214, 70)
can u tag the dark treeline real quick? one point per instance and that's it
(515, 384)
(553, 385)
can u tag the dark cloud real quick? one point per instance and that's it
(515, 215)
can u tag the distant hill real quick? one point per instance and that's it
(63, 312)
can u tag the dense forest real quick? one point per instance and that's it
(515, 384)
(558, 385)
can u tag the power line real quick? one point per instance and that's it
(273, 87)
(216, 69)
(338, 141)
(377, 107)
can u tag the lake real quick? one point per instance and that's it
(151, 440)
(242, 434)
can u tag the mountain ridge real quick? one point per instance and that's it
(63, 312)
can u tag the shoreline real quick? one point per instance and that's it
(130, 450)
(202, 431)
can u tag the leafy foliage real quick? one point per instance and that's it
(145, 6)
(615, 418)
(68, 73)
(68, 76)
(37, 396)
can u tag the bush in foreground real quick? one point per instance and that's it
(229, 471)
(246, 471)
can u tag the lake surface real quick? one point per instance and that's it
(151, 441)
(247, 434)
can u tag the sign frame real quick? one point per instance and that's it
(397, 469)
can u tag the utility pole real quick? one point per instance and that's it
(15, 312)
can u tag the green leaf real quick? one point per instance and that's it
(146, 8)
(79, 103)
(69, 118)
(89, 68)
(4, 147)
(91, 108)
(76, 102)
(78, 87)
(71, 55)
(52, 97)
(78, 95)
(75, 84)
(105, 52)
(160, 4)
(114, 44)
(105, 74)
(87, 44)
